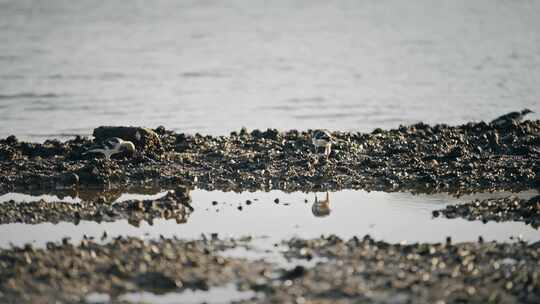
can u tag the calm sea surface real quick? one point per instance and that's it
(215, 66)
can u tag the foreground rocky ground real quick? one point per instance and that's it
(357, 270)
(368, 271)
(64, 273)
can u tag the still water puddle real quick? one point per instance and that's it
(392, 217)
(112, 196)
(223, 294)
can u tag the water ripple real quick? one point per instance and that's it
(326, 115)
(203, 74)
(307, 100)
(28, 95)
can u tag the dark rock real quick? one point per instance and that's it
(156, 281)
(144, 139)
(294, 273)
(11, 140)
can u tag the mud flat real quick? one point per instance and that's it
(173, 205)
(365, 270)
(67, 273)
(356, 270)
(456, 160)
(459, 159)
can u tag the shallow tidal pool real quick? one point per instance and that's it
(275, 215)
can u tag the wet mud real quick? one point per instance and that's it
(358, 270)
(370, 271)
(65, 273)
(510, 208)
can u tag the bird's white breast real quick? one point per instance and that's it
(320, 142)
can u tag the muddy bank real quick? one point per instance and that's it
(67, 273)
(173, 205)
(358, 270)
(467, 158)
(510, 208)
(368, 271)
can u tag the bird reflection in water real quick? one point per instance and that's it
(321, 208)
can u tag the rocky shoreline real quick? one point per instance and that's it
(475, 157)
(420, 158)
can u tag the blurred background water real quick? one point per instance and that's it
(215, 66)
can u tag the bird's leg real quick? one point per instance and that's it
(327, 150)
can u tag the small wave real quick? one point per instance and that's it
(199, 35)
(28, 95)
(201, 74)
(307, 100)
(385, 120)
(418, 42)
(42, 108)
(111, 75)
(113, 113)
(325, 115)
(70, 77)
(9, 57)
(11, 76)
(102, 76)
(279, 108)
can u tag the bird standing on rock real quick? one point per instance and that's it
(510, 117)
(112, 146)
(323, 138)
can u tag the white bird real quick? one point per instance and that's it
(323, 138)
(321, 208)
(112, 146)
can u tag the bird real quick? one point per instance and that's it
(112, 146)
(321, 208)
(516, 116)
(323, 138)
